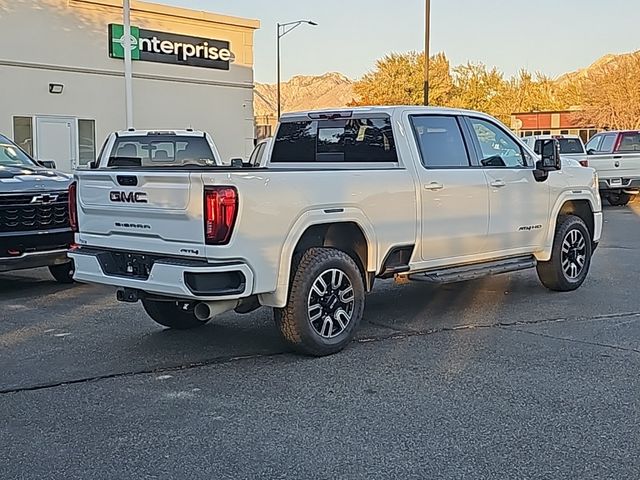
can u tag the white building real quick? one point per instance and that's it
(62, 83)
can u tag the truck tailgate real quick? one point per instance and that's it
(616, 165)
(142, 211)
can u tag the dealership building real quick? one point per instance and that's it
(63, 90)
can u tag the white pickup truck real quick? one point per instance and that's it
(347, 196)
(616, 158)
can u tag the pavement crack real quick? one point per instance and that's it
(395, 334)
(170, 368)
(574, 340)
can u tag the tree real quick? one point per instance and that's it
(611, 95)
(398, 79)
(478, 88)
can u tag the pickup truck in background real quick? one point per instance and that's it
(34, 219)
(571, 146)
(348, 196)
(145, 148)
(615, 156)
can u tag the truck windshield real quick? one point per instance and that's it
(12, 156)
(161, 150)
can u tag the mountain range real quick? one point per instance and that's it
(336, 90)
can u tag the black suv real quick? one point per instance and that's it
(34, 214)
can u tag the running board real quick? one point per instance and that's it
(473, 271)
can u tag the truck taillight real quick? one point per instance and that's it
(220, 211)
(584, 163)
(73, 206)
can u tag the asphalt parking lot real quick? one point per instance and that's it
(495, 378)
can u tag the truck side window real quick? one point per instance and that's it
(594, 143)
(629, 142)
(440, 141)
(607, 143)
(497, 149)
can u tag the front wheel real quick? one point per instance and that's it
(173, 314)
(63, 273)
(570, 258)
(326, 303)
(618, 199)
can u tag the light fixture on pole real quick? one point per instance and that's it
(427, 26)
(127, 45)
(283, 29)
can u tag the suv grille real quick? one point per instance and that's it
(25, 212)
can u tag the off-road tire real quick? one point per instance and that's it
(63, 273)
(294, 320)
(552, 274)
(172, 314)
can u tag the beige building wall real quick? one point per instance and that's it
(67, 42)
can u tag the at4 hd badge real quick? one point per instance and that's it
(162, 47)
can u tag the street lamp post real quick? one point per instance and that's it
(127, 44)
(427, 26)
(283, 29)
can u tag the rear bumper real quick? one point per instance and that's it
(629, 185)
(172, 277)
(33, 260)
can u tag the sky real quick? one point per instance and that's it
(547, 36)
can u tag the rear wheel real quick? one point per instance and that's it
(63, 273)
(172, 314)
(326, 302)
(618, 199)
(570, 257)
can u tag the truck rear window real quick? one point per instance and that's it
(354, 140)
(161, 151)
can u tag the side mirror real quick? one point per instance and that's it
(591, 151)
(550, 156)
(237, 163)
(93, 165)
(47, 164)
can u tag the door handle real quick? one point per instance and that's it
(617, 157)
(433, 186)
(498, 183)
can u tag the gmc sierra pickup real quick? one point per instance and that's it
(34, 222)
(347, 196)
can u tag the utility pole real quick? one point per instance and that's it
(127, 45)
(427, 26)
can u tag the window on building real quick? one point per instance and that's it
(23, 133)
(546, 132)
(497, 148)
(584, 135)
(537, 132)
(86, 141)
(336, 141)
(564, 132)
(440, 141)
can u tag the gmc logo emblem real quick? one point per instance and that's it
(128, 197)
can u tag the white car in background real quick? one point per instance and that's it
(571, 146)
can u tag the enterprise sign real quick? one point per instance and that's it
(162, 47)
